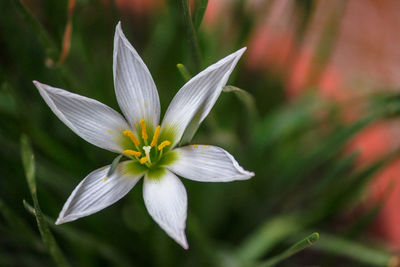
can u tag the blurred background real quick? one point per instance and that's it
(319, 124)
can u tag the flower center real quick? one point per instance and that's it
(144, 152)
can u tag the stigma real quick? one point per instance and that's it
(147, 152)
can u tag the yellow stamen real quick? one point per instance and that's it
(143, 160)
(164, 144)
(155, 136)
(105, 179)
(144, 132)
(132, 153)
(132, 137)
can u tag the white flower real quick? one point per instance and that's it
(151, 148)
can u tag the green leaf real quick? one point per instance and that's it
(299, 246)
(47, 237)
(199, 13)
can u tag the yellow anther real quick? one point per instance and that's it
(155, 136)
(143, 160)
(144, 132)
(164, 144)
(105, 179)
(131, 136)
(132, 153)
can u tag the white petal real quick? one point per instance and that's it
(205, 163)
(135, 89)
(195, 99)
(97, 191)
(95, 122)
(166, 200)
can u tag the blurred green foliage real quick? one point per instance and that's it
(304, 182)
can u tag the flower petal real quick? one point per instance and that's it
(134, 87)
(97, 191)
(205, 163)
(95, 122)
(195, 99)
(166, 200)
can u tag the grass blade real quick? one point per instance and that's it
(47, 237)
(48, 44)
(299, 246)
(19, 226)
(85, 239)
(191, 34)
(268, 235)
(199, 13)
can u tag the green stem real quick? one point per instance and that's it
(84, 239)
(161, 152)
(47, 237)
(191, 34)
(199, 13)
(299, 246)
